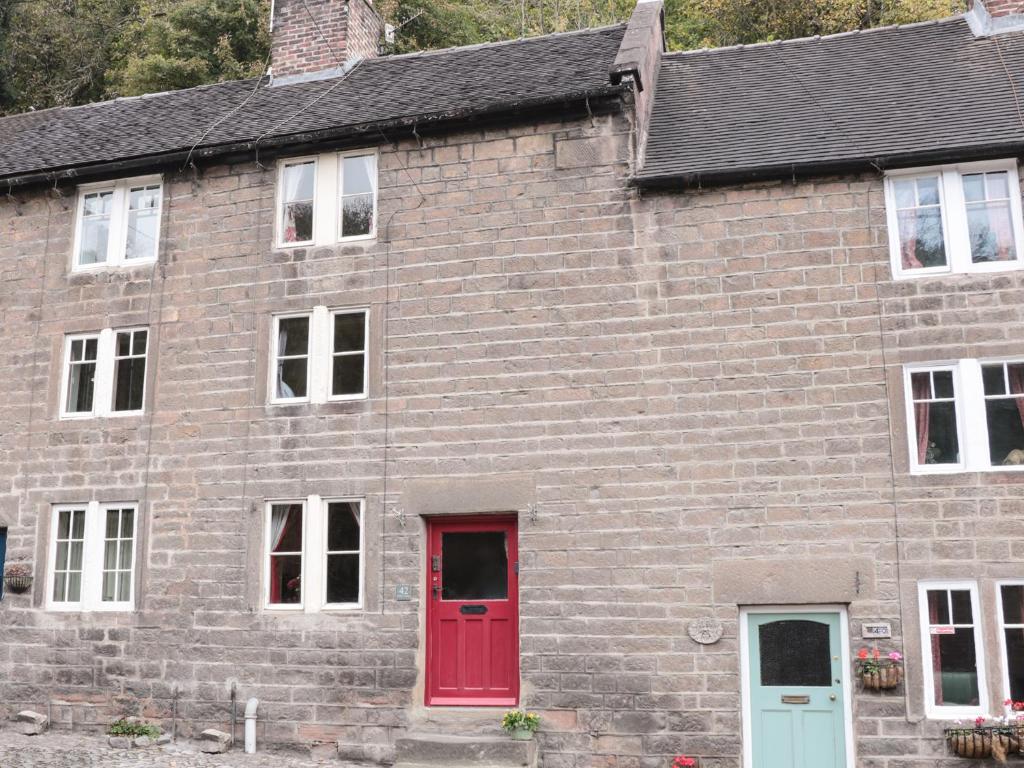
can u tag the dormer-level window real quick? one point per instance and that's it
(327, 199)
(955, 218)
(118, 223)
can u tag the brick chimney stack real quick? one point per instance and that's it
(311, 36)
(997, 8)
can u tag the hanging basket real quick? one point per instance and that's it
(984, 743)
(18, 584)
(883, 678)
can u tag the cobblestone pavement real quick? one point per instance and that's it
(58, 750)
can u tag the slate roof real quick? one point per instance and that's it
(888, 96)
(413, 89)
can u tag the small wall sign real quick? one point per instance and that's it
(943, 630)
(706, 631)
(403, 593)
(877, 631)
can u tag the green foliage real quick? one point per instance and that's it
(131, 728)
(65, 52)
(517, 719)
(174, 44)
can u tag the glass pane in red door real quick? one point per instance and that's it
(474, 565)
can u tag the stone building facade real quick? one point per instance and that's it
(687, 401)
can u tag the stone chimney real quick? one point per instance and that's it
(990, 17)
(321, 36)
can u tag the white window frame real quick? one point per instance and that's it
(280, 201)
(314, 556)
(934, 711)
(92, 559)
(275, 357)
(908, 390)
(321, 357)
(327, 198)
(331, 354)
(1003, 626)
(104, 383)
(954, 218)
(972, 420)
(117, 241)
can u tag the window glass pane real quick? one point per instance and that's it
(928, 191)
(91, 345)
(297, 202)
(954, 668)
(94, 239)
(127, 524)
(143, 234)
(125, 559)
(343, 578)
(291, 378)
(350, 332)
(63, 524)
(286, 528)
(77, 347)
(75, 555)
(974, 187)
(474, 566)
(906, 195)
(359, 174)
(110, 554)
(962, 613)
(937, 440)
(1005, 417)
(124, 588)
(998, 185)
(129, 383)
(342, 526)
(1015, 662)
(943, 383)
(1013, 604)
(74, 586)
(990, 228)
(98, 203)
(62, 555)
(109, 586)
(293, 336)
(60, 585)
(921, 238)
(285, 579)
(348, 376)
(357, 215)
(795, 653)
(139, 342)
(938, 606)
(78, 524)
(80, 387)
(994, 378)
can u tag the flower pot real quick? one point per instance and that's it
(18, 584)
(521, 734)
(883, 679)
(980, 744)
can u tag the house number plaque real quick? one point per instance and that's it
(706, 631)
(877, 631)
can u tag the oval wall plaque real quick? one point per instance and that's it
(706, 631)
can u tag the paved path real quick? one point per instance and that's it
(59, 750)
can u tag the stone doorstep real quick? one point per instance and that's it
(464, 751)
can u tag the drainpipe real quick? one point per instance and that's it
(250, 725)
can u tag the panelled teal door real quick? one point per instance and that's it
(796, 687)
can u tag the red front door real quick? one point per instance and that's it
(472, 612)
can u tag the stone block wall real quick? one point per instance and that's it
(688, 388)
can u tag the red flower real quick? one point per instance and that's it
(683, 762)
(877, 655)
(862, 654)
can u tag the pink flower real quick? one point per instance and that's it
(683, 762)
(979, 721)
(896, 656)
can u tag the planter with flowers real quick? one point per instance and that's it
(18, 577)
(989, 737)
(520, 725)
(878, 673)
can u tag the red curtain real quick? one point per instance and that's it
(294, 519)
(933, 618)
(922, 390)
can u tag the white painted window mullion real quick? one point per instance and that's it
(958, 239)
(313, 555)
(92, 557)
(974, 421)
(327, 194)
(320, 374)
(103, 393)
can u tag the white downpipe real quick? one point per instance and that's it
(250, 725)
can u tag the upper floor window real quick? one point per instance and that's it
(955, 218)
(314, 554)
(92, 557)
(104, 373)
(118, 223)
(966, 416)
(327, 199)
(319, 356)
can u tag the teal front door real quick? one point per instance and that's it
(797, 691)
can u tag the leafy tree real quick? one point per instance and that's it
(174, 44)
